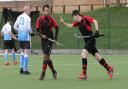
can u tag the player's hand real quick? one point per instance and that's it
(44, 36)
(33, 34)
(14, 38)
(54, 41)
(61, 19)
(96, 35)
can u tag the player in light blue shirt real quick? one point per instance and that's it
(8, 42)
(23, 26)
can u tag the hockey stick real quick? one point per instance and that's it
(50, 39)
(79, 37)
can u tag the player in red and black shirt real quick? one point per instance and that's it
(44, 25)
(84, 25)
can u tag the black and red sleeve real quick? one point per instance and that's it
(38, 23)
(74, 24)
(89, 19)
(55, 25)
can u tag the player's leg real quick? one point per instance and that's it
(51, 66)
(6, 45)
(26, 52)
(50, 63)
(46, 47)
(14, 56)
(44, 63)
(99, 58)
(47, 61)
(21, 61)
(44, 67)
(21, 57)
(25, 65)
(12, 46)
(84, 55)
(102, 61)
(6, 57)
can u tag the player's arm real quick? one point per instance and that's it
(29, 26)
(96, 28)
(56, 32)
(12, 35)
(38, 28)
(16, 26)
(2, 32)
(66, 24)
(54, 23)
(38, 22)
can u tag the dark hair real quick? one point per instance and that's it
(9, 20)
(45, 6)
(75, 12)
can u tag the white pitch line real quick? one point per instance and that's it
(92, 63)
(117, 73)
(72, 64)
(8, 54)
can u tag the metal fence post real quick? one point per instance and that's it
(79, 8)
(51, 9)
(92, 7)
(36, 8)
(64, 9)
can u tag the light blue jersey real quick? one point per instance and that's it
(6, 30)
(23, 26)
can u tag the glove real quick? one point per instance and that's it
(33, 34)
(54, 41)
(55, 38)
(96, 35)
(44, 36)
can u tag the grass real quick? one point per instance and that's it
(68, 67)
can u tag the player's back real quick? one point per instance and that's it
(24, 27)
(6, 31)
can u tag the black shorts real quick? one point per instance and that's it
(90, 46)
(9, 44)
(46, 46)
(24, 44)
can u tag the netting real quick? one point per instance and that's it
(12, 15)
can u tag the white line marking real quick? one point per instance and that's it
(71, 64)
(117, 73)
(8, 54)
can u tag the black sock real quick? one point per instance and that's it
(50, 64)
(84, 65)
(104, 64)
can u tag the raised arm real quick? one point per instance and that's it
(65, 24)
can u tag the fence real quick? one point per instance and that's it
(59, 8)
